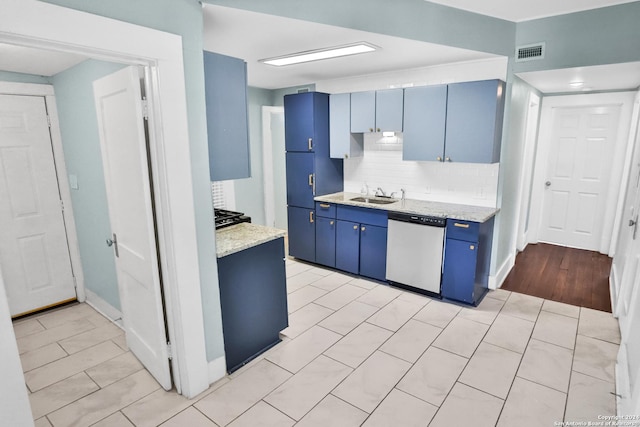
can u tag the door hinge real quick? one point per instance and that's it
(62, 205)
(48, 120)
(169, 350)
(145, 109)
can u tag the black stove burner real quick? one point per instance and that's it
(225, 218)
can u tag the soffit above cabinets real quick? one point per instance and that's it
(39, 62)
(608, 77)
(253, 36)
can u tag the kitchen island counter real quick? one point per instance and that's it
(418, 207)
(239, 237)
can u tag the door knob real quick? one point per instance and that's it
(547, 184)
(110, 242)
(114, 242)
(631, 223)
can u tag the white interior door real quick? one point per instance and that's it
(34, 254)
(275, 194)
(578, 173)
(124, 155)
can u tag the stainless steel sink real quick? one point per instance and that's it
(373, 200)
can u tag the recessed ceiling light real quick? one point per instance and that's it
(576, 83)
(318, 54)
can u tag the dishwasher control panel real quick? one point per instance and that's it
(433, 221)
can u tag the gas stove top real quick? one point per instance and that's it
(225, 218)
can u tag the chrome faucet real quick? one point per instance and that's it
(380, 192)
(403, 194)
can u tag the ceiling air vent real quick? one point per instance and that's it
(530, 52)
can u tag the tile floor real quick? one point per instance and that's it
(356, 353)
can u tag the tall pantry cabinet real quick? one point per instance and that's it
(310, 170)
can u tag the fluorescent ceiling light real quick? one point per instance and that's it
(318, 54)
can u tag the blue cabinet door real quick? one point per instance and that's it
(326, 241)
(301, 233)
(225, 91)
(425, 112)
(373, 251)
(348, 246)
(300, 176)
(299, 121)
(342, 143)
(363, 112)
(459, 272)
(389, 110)
(474, 121)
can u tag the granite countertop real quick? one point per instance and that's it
(418, 207)
(239, 237)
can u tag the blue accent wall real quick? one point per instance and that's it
(81, 144)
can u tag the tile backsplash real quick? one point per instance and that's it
(382, 166)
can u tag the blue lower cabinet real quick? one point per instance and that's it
(467, 259)
(302, 233)
(458, 276)
(361, 249)
(253, 301)
(326, 241)
(348, 246)
(373, 251)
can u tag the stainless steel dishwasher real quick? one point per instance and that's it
(414, 252)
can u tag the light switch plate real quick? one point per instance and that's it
(73, 181)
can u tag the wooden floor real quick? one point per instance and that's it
(572, 276)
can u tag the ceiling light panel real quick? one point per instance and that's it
(319, 54)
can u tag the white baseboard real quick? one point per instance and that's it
(496, 281)
(103, 307)
(217, 369)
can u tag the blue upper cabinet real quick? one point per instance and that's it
(227, 123)
(363, 112)
(425, 111)
(342, 143)
(389, 110)
(474, 121)
(376, 111)
(300, 114)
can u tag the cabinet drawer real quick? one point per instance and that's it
(325, 210)
(463, 230)
(362, 215)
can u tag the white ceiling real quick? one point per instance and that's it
(525, 10)
(20, 59)
(253, 36)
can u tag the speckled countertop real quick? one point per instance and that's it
(239, 237)
(418, 207)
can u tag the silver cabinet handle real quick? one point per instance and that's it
(363, 228)
(447, 159)
(310, 142)
(311, 216)
(355, 227)
(439, 158)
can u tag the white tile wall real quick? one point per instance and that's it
(382, 166)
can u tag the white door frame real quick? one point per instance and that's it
(46, 91)
(37, 24)
(526, 175)
(613, 212)
(267, 164)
